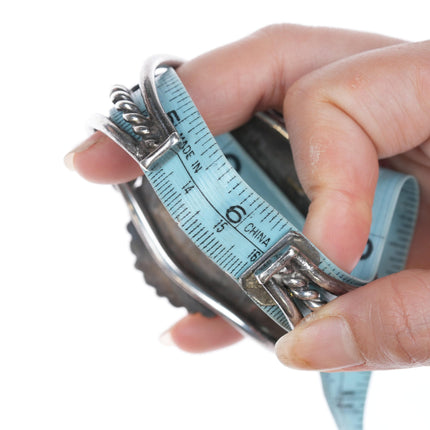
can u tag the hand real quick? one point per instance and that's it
(342, 108)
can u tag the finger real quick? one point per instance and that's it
(229, 84)
(384, 325)
(196, 333)
(101, 160)
(341, 119)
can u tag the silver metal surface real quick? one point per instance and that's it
(289, 276)
(156, 133)
(282, 297)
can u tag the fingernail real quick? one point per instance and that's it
(323, 344)
(166, 338)
(69, 159)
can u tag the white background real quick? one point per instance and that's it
(79, 329)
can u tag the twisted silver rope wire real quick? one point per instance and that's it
(141, 125)
(298, 285)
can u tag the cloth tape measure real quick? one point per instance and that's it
(241, 220)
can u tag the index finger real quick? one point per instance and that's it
(230, 83)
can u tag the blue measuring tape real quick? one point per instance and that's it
(245, 224)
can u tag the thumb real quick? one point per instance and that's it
(383, 325)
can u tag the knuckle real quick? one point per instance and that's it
(301, 96)
(307, 87)
(312, 91)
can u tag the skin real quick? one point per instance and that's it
(349, 99)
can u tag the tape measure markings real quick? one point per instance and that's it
(224, 223)
(209, 202)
